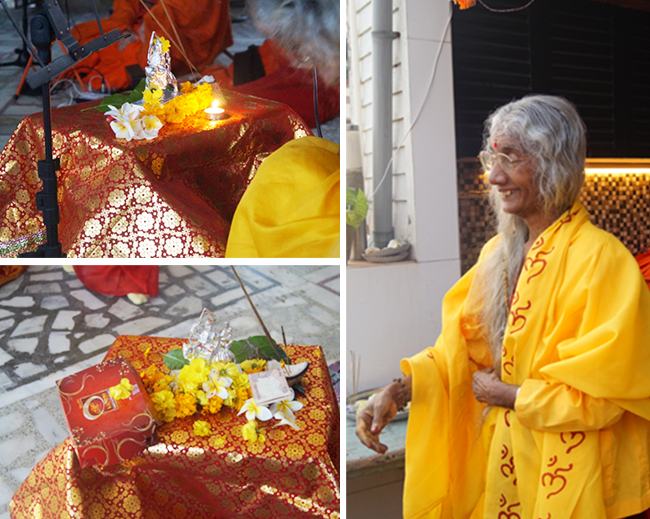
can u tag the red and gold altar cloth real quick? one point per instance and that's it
(172, 197)
(294, 474)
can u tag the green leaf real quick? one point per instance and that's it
(117, 100)
(174, 359)
(299, 387)
(356, 207)
(257, 347)
(138, 92)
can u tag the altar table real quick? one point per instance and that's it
(294, 474)
(170, 197)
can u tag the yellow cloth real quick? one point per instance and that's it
(577, 342)
(292, 206)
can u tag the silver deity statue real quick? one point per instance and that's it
(207, 342)
(158, 69)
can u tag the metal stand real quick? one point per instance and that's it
(46, 200)
(23, 54)
(45, 28)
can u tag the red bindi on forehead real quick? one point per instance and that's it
(495, 144)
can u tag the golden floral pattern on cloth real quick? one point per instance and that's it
(292, 474)
(173, 196)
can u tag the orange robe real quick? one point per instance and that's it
(203, 26)
(644, 263)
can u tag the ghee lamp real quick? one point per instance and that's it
(214, 113)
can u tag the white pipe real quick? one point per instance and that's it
(382, 125)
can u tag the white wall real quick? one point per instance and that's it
(394, 310)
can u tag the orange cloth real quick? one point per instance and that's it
(294, 474)
(10, 272)
(285, 84)
(644, 263)
(116, 280)
(203, 26)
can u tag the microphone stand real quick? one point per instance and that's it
(45, 29)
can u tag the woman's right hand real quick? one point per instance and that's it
(372, 419)
(379, 411)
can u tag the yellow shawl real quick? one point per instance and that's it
(292, 206)
(578, 344)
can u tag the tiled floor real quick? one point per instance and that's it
(13, 111)
(51, 326)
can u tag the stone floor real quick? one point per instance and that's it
(52, 326)
(13, 111)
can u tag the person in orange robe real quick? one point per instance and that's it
(10, 272)
(203, 26)
(135, 282)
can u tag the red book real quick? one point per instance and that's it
(106, 431)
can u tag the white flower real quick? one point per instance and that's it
(150, 126)
(253, 411)
(285, 421)
(216, 385)
(127, 123)
(285, 409)
(133, 111)
(123, 128)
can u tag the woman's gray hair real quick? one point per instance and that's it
(549, 128)
(307, 29)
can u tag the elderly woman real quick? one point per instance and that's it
(535, 401)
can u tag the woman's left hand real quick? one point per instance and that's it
(488, 388)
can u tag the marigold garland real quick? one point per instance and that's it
(199, 387)
(193, 99)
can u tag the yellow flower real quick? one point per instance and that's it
(122, 390)
(150, 376)
(152, 96)
(232, 396)
(242, 396)
(202, 428)
(185, 405)
(194, 374)
(162, 383)
(226, 369)
(253, 365)
(202, 398)
(214, 405)
(251, 433)
(165, 404)
(187, 87)
(241, 381)
(165, 44)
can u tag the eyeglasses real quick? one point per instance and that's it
(507, 164)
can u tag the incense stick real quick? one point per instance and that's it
(162, 28)
(266, 332)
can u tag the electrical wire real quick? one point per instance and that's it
(318, 129)
(419, 112)
(511, 10)
(104, 80)
(30, 47)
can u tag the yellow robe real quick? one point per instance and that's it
(292, 206)
(578, 343)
